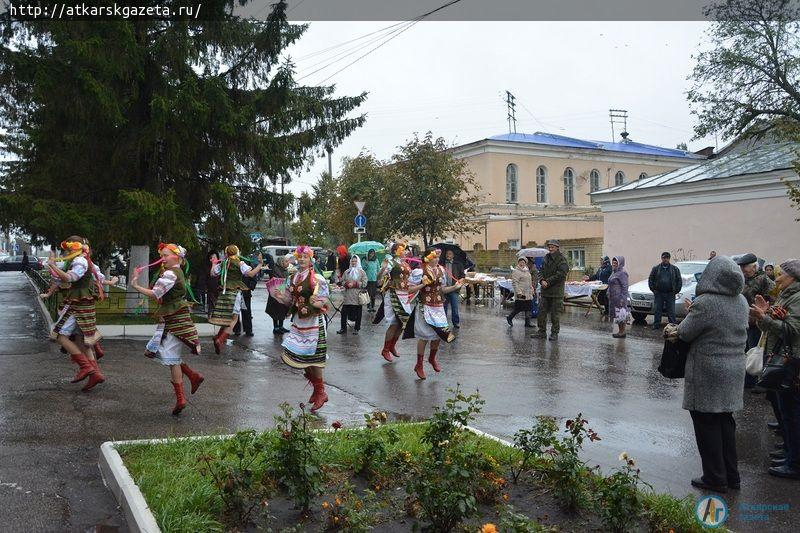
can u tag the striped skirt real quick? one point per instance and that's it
(430, 324)
(396, 307)
(226, 307)
(305, 345)
(78, 314)
(181, 326)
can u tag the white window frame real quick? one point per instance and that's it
(617, 180)
(512, 183)
(594, 180)
(569, 186)
(577, 257)
(513, 244)
(541, 184)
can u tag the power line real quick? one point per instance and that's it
(394, 34)
(335, 46)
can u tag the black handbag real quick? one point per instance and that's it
(778, 369)
(673, 359)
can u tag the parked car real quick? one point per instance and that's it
(641, 298)
(14, 263)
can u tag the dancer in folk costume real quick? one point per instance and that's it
(305, 346)
(175, 321)
(229, 301)
(77, 317)
(396, 308)
(61, 288)
(429, 323)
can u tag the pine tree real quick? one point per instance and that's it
(135, 131)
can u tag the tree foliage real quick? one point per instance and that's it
(432, 193)
(142, 130)
(748, 81)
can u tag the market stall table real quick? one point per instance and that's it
(576, 290)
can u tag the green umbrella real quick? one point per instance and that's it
(361, 249)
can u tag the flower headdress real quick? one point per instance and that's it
(398, 249)
(303, 250)
(433, 254)
(175, 249)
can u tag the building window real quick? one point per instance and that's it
(643, 175)
(513, 244)
(569, 186)
(619, 179)
(594, 180)
(577, 258)
(511, 184)
(541, 185)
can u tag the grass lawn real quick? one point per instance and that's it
(198, 485)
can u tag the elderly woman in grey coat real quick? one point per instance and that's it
(716, 331)
(354, 280)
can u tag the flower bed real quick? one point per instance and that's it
(437, 476)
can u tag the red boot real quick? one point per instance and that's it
(219, 340)
(393, 346)
(95, 378)
(313, 397)
(432, 360)
(195, 378)
(99, 352)
(180, 399)
(85, 367)
(387, 351)
(320, 396)
(419, 368)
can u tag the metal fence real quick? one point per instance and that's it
(118, 301)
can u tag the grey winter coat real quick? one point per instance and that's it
(351, 294)
(790, 300)
(716, 330)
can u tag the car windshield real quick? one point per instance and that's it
(690, 269)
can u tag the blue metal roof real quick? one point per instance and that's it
(756, 160)
(550, 139)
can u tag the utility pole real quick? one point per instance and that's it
(283, 214)
(618, 116)
(330, 160)
(511, 107)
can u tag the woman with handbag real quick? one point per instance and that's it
(716, 331)
(523, 292)
(618, 296)
(781, 324)
(354, 281)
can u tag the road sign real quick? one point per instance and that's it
(359, 206)
(255, 236)
(360, 220)
(360, 230)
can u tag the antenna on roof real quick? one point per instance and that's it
(512, 112)
(619, 116)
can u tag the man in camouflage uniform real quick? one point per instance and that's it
(552, 277)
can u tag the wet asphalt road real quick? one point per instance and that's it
(50, 432)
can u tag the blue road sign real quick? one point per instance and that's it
(360, 220)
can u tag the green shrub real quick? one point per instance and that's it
(619, 500)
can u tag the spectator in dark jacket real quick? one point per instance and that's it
(665, 283)
(602, 275)
(454, 271)
(553, 276)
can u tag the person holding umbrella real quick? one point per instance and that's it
(371, 268)
(455, 272)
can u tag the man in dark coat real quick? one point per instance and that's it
(455, 271)
(665, 283)
(551, 279)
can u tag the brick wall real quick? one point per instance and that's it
(593, 253)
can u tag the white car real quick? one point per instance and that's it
(641, 298)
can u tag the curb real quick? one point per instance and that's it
(144, 331)
(138, 514)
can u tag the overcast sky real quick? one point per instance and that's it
(451, 77)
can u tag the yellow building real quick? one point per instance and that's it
(536, 187)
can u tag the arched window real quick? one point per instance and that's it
(594, 180)
(619, 178)
(511, 184)
(569, 186)
(541, 185)
(643, 175)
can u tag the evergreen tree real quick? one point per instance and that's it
(134, 131)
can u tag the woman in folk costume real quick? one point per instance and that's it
(354, 281)
(78, 314)
(430, 321)
(229, 301)
(305, 345)
(396, 308)
(175, 321)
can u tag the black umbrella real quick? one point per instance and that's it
(458, 254)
